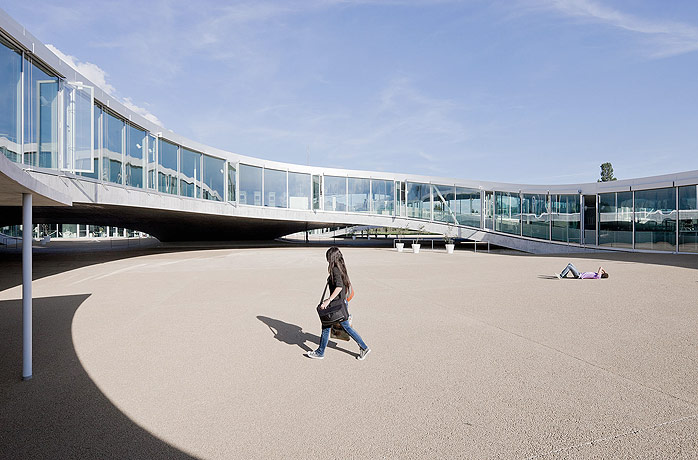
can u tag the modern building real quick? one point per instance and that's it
(90, 161)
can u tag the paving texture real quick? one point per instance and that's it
(201, 354)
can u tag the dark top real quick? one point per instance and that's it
(335, 280)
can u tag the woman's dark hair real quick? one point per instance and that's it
(604, 275)
(335, 259)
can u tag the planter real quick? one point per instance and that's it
(415, 247)
(400, 246)
(450, 247)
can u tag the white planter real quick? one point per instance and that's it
(450, 247)
(415, 247)
(400, 246)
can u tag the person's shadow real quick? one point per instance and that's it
(294, 335)
(547, 277)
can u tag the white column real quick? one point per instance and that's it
(26, 286)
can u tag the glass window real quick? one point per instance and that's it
(97, 143)
(535, 218)
(316, 192)
(688, 218)
(189, 173)
(152, 161)
(168, 154)
(135, 146)
(566, 215)
(298, 190)
(112, 137)
(400, 192)
(358, 197)
(335, 193)
(418, 200)
(231, 182)
(615, 219)
(444, 203)
(507, 213)
(274, 188)
(10, 86)
(250, 185)
(655, 219)
(40, 117)
(489, 210)
(467, 206)
(383, 197)
(213, 178)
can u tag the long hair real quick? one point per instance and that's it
(335, 259)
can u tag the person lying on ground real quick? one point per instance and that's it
(570, 268)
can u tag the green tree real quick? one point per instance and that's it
(606, 172)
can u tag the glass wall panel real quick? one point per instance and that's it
(135, 146)
(418, 200)
(655, 219)
(274, 188)
(383, 197)
(468, 206)
(444, 203)
(189, 173)
(489, 210)
(507, 213)
(168, 158)
(298, 190)
(688, 218)
(316, 191)
(615, 219)
(97, 143)
(535, 218)
(152, 161)
(77, 125)
(112, 151)
(232, 180)
(335, 193)
(250, 185)
(359, 193)
(213, 178)
(40, 117)
(566, 210)
(10, 99)
(400, 195)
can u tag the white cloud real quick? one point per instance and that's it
(98, 77)
(92, 71)
(141, 111)
(666, 38)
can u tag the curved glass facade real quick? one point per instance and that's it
(132, 152)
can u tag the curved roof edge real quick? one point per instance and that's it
(34, 47)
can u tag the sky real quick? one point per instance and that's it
(524, 91)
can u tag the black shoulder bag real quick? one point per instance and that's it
(336, 311)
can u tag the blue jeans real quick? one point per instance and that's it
(325, 337)
(570, 268)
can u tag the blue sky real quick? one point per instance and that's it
(531, 91)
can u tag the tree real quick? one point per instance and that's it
(606, 172)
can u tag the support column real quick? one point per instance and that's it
(26, 286)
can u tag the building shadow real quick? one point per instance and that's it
(60, 412)
(291, 334)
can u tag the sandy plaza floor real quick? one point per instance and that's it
(200, 353)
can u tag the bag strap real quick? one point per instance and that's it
(322, 299)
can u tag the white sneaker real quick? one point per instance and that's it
(314, 355)
(363, 353)
(558, 276)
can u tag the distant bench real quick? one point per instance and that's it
(475, 243)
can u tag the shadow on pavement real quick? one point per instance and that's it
(60, 412)
(293, 335)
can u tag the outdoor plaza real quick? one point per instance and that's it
(175, 352)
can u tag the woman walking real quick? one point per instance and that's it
(339, 286)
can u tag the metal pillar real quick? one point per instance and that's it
(26, 286)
